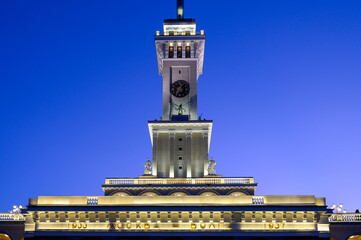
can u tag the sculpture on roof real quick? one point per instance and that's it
(148, 167)
(211, 167)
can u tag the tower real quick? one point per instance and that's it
(180, 203)
(180, 140)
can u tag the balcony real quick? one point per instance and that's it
(180, 33)
(345, 217)
(11, 217)
(181, 181)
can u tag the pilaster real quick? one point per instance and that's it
(171, 148)
(189, 152)
(155, 145)
(205, 137)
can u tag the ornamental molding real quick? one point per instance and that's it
(205, 132)
(155, 132)
(184, 189)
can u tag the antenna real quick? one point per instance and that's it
(180, 9)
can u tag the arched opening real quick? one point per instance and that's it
(259, 238)
(91, 238)
(208, 194)
(4, 236)
(354, 237)
(120, 194)
(174, 238)
(179, 194)
(237, 194)
(149, 194)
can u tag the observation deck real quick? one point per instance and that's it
(151, 185)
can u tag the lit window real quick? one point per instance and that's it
(179, 52)
(188, 51)
(171, 52)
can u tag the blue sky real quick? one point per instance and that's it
(281, 80)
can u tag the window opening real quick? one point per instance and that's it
(179, 52)
(171, 52)
(188, 51)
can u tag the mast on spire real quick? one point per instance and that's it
(180, 9)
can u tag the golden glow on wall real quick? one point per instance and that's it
(179, 226)
(152, 198)
(176, 221)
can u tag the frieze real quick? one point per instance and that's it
(180, 226)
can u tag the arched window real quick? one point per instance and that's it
(121, 194)
(208, 194)
(174, 238)
(355, 237)
(4, 236)
(149, 194)
(237, 194)
(179, 194)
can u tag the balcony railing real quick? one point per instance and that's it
(345, 217)
(179, 33)
(170, 181)
(11, 217)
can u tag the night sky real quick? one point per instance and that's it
(281, 80)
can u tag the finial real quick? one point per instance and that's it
(180, 9)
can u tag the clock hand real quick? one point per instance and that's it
(180, 89)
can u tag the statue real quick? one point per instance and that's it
(211, 167)
(148, 167)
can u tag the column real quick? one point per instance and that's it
(183, 50)
(155, 149)
(171, 152)
(205, 139)
(189, 153)
(166, 50)
(192, 50)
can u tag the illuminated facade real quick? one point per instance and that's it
(179, 195)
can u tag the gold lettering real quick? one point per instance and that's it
(85, 225)
(203, 225)
(175, 225)
(277, 226)
(138, 226)
(274, 225)
(74, 225)
(79, 225)
(146, 226)
(212, 225)
(129, 225)
(156, 225)
(193, 226)
(120, 225)
(220, 225)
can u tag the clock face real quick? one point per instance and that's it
(180, 88)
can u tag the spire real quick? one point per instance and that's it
(180, 9)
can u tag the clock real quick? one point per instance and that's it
(180, 88)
